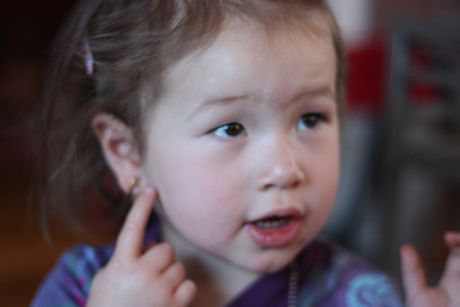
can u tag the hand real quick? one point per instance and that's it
(418, 293)
(134, 277)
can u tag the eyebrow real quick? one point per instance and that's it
(306, 92)
(207, 103)
(314, 92)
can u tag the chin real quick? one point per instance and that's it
(270, 261)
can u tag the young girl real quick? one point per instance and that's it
(220, 118)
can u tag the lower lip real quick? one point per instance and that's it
(274, 237)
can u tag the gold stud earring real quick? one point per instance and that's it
(134, 185)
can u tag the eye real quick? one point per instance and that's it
(230, 130)
(310, 121)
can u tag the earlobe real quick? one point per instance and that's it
(119, 148)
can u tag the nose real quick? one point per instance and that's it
(280, 168)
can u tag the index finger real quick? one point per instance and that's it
(131, 237)
(452, 239)
(413, 271)
(452, 268)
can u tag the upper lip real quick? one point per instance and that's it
(279, 213)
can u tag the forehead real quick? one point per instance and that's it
(245, 49)
(309, 24)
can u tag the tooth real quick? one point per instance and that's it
(273, 223)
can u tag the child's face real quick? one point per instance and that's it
(243, 145)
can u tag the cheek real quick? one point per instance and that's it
(323, 168)
(194, 189)
(327, 183)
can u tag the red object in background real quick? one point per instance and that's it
(368, 64)
(422, 92)
(368, 75)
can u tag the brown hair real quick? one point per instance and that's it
(132, 43)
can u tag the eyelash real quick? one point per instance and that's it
(311, 120)
(234, 129)
(223, 130)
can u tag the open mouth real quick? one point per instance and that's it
(273, 222)
(274, 230)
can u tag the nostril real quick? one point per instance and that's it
(294, 180)
(266, 186)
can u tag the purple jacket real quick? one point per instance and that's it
(328, 276)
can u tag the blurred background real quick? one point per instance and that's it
(401, 152)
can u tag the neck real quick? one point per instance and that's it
(218, 281)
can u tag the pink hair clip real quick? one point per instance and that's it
(88, 57)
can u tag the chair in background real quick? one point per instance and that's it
(420, 159)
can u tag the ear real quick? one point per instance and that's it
(119, 148)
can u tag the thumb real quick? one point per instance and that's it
(413, 272)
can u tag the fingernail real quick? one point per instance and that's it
(404, 250)
(148, 190)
